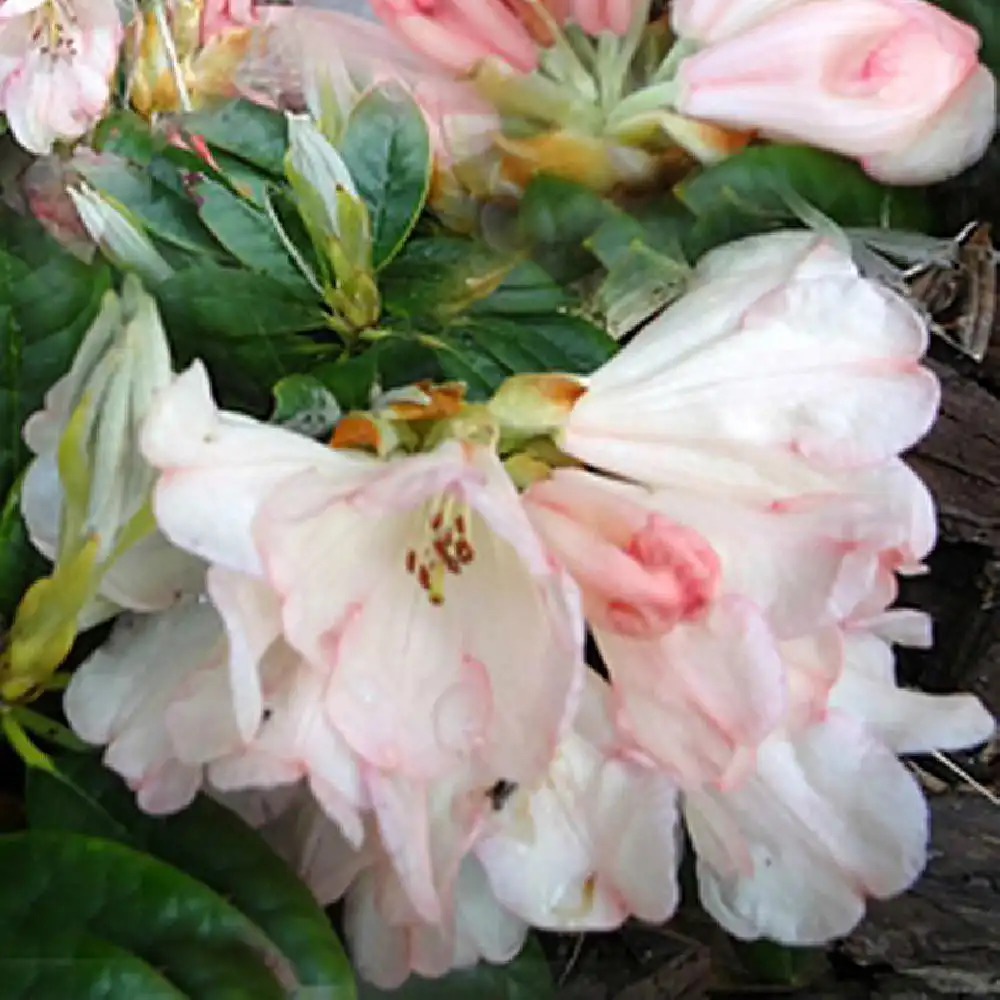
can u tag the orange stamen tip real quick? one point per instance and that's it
(356, 431)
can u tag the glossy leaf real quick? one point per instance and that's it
(484, 350)
(439, 277)
(213, 845)
(527, 977)
(162, 212)
(75, 966)
(248, 234)
(556, 218)
(754, 190)
(48, 298)
(61, 882)
(387, 150)
(245, 326)
(303, 403)
(391, 361)
(254, 133)
(20, 564)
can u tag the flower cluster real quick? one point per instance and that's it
(597, 92)
(384, 663)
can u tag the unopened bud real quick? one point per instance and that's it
(530, 405)
(120, 239)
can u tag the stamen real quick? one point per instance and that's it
(446, 548)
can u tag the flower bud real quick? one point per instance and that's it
(318, 175)
(120, 239)
(531, 405)
(86, 496)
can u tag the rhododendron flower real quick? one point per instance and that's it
(779, 368)
(894, 83)
(430, 538)
(906, 721)
(57, 62)
(591, 843)
(458, 35)
(388, 941)
(295, 740)
(712, 20)
(828, 818)
(157, 695)
(210, 38)
(88, 478)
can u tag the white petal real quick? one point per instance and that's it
(828, 820)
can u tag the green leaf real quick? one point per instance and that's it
(387, 149)
(483, 350)
(556, 217)
(49, 964)
(304, 404)
(436, 278)
(20, 564)
(749, 193)
(255, 134)
(245, 326)
(527, 977)
(48, 298)
(392, 361)
(248, 234)
(214, 846)
(163, 212)
(65, 883)
(777, 964)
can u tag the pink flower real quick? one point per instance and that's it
(713, 20)
(156, 694)
(906, 721)
(420, 681)
(220, 16)
(779, 369)
(598, 16)
(827, 819)
(56, 61)
(458, 34)
(639, 573)
(895, 84)
(591, 844)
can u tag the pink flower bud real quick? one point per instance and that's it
(458, 34)
(895, 84)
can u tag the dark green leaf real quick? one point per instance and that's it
(556, 218)
(390, 362)
(484, 350)
(255, 134)
(48, 299)
(62, 882)
(214, 846)
(20, 564)
(246, 327)
(753, 192)
(527, 977)
(436, 278)
(777, 964)
(387, 149)
(303, 403)
(248, 234)
(163, 212)
(49, 965)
